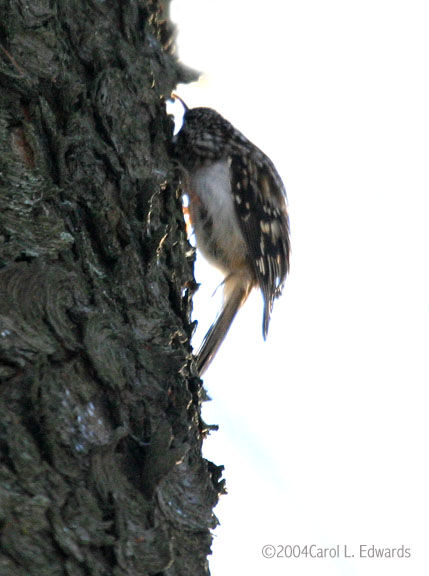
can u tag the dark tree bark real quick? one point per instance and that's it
(101, 470)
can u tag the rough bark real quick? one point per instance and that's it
(101, 470)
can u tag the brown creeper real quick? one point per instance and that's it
(238, 211)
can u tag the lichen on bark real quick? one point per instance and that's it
(101, 469)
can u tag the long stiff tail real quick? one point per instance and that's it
(236, 290)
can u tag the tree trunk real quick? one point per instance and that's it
(101, 470)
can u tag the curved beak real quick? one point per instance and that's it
(176, 97)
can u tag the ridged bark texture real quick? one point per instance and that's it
(101, 470)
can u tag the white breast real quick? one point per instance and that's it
(210, 188)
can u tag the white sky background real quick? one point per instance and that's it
(324, 428)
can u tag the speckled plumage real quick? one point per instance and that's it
(237, 204)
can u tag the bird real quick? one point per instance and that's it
(238, 211)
